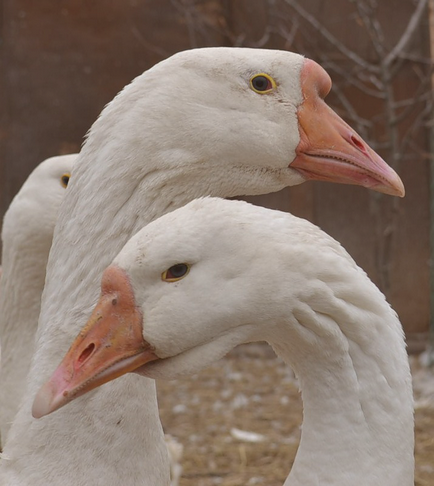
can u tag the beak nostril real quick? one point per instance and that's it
(86, 353)
(358, 143)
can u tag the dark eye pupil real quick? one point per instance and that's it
(260, 83)
(177, 271)
(65, 180)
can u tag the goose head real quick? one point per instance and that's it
(191, 286)
(240, 121)
(30, 219)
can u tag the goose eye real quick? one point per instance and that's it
(65, 179)
(175, 272)
(262, 83)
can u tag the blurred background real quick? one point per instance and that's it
(62, 61)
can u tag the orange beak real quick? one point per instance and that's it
(329, 149)
(110, 345)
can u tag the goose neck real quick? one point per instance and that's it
(357, 397)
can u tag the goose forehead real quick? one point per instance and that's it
(221, 62)
(209, 227)
(230, 232)
(233, 56)
(53, 168)
(167, 244)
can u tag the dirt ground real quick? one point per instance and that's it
(253, 391)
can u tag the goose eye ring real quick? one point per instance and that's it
(262, 83)
(175, 272)
(65, 179)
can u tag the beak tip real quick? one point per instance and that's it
(401, 189)
(395, 186)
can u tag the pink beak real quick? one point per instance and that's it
(329, 149)
(110, 345)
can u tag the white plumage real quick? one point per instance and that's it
(256, 274)
(191, 126)
(27, 234)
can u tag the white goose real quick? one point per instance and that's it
(216, 121)
(214, 274)
(27, 234)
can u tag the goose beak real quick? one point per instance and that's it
(329, 149)
(110, 345)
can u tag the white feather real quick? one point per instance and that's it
(27, 234)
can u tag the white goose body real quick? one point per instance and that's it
(191, 126)
(27, 233)
(256, 274)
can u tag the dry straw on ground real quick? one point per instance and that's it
(254, 391)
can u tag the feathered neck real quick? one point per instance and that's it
(355, 381)
(131, 170)
(24, 258)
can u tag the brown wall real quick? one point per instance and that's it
(63, 61)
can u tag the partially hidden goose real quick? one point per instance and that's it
(27, 233)
(215, 121)
(196, 283)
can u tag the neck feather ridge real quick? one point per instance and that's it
(356, 389)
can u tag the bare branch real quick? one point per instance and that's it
(330, 37)
(148, 45)
(290, 36)
(414, 129)
(362, 123)
(185, 6)
(408, 33)
(373, 27)
(353, 79)
(411, 103)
